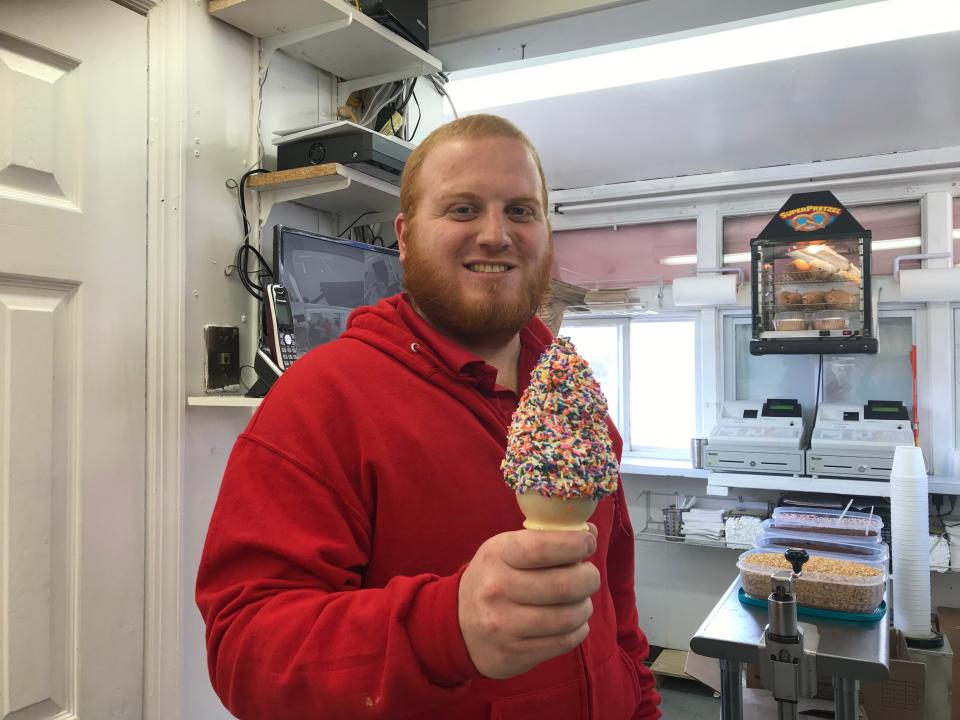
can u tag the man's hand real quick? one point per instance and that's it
(525, 598)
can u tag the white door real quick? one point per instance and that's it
(73, 136)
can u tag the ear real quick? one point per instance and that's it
(401, 226)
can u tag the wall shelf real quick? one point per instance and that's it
(331, 187)
(652, 466)
(331, 35)
(720, 483)
(654, 533)
(223, 401)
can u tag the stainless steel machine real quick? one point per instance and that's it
(788, 650)
(858, 441)
(761, 437)
(791, 655)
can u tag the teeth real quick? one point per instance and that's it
(488, 268)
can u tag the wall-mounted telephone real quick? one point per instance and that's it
(281, 338)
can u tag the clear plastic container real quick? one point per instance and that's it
(810, 520)
(831, 320)
(790, 321)
(868, 548)
(829, 581)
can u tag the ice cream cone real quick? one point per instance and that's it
(555, 513)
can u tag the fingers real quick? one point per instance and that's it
(552, 586)
(532, 621)
(534, 549)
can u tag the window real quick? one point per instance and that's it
(599, 344)
(626, 255)
(888, 375)
(647, 368)
(664, 401)
(852, 379)
(760, 377)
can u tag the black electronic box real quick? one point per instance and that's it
(368, 152)
(407, 18)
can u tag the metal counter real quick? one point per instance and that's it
(849, 652)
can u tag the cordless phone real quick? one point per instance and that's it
(281, 338)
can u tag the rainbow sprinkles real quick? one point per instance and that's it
(559, 443)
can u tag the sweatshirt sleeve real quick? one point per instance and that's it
(620, 571)
(290, 631)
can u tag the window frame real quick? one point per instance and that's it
(620, 323)
(623, 324)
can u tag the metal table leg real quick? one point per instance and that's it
(847, 694)
(731, 694)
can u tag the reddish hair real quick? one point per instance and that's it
(469, 127)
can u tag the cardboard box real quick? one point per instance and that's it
(950, 626)
(704, 669)
(760, 705)
(937, 669)
(899, 697)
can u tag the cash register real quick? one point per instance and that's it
(858, 441)
(758, 436)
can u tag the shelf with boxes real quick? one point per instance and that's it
(736, 524)
(331, 187)
(332, 35)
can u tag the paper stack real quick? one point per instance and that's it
(701, 525)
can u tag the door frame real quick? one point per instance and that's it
(166, 257)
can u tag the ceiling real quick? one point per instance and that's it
(871, 100)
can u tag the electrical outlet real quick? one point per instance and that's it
(221, 370)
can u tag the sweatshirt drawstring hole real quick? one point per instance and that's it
(414, 347)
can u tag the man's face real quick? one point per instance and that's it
(478, 253)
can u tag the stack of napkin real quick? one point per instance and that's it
(701, 525)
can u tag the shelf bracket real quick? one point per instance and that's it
(345, 87)
(270, 45)
(269, 198)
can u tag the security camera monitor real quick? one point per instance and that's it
(327, 278)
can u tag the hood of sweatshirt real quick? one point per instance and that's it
(381, 326)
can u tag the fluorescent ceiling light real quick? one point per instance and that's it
(841, 25)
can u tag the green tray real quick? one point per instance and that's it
(817, 612)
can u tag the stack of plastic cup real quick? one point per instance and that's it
(911, 547)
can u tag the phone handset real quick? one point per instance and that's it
(281, 338)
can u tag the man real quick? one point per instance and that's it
(364, 558)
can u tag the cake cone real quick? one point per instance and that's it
(555, 513)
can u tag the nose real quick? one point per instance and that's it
(494, 232)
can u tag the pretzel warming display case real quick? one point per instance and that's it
(811, 280)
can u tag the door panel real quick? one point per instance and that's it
(73, 124)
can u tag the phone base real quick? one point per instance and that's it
(267, 374)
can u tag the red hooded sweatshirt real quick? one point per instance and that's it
(350, 506)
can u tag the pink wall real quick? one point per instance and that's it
(629, 255)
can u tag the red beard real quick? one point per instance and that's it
(490, 322)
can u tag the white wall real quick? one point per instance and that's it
(221, 136)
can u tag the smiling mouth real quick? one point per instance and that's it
(487, 268)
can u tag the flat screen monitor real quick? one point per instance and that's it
(327, 278)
